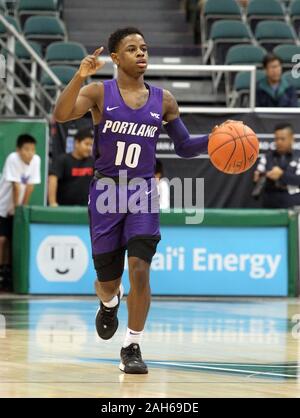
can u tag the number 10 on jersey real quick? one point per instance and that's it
(131, 155)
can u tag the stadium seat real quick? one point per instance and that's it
(23, 54)
(225, 33)
(245, 54)
(242, 55)
(286, 53)
(64, 72)
(3, 8)
(45, 29)
(216, 10)
(264, 9)
(70, 53)
(269, 34)
(242, 86)
(242, 79)
(28, 8)
(293, 81)
(11, 6)
(13, 21)
(295, 14)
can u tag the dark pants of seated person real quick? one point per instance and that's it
(280, 200)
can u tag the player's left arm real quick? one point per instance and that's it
(185, 146)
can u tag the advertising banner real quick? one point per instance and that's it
(189, 261)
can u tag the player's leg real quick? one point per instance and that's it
(140, 252)
(106, 291)
(108, 256)
(109, 268)
(139, 297)
(142, 235)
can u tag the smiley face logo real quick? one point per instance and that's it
(62, 258)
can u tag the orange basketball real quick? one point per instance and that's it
(233, 148)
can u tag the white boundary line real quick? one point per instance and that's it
(251, 372)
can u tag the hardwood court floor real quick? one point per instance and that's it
(205, 348)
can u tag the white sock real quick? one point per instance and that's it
(132, 337)
(114, 301)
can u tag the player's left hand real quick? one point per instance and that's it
(275, 173)
(224, 123)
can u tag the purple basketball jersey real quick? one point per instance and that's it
(125, 139)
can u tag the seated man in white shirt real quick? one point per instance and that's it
(20, 173)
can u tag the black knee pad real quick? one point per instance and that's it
(143, 246)
(109, 266)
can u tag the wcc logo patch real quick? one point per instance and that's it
(155, 115)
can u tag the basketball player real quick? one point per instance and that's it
(128, 115)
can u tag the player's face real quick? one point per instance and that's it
(284, 139)
(84, 147)
(26, 152)
(132, 55)
(274, 71)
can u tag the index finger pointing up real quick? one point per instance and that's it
(98, 51)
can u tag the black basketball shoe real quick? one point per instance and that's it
(131, 360)
(106, 320)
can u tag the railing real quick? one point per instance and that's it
(41, 103)
(228, 110)
(216, 70)
(39, 98)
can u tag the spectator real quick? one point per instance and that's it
(272, 90)
(163, 186)
(279, 171)
(21, 172)
(70, 174)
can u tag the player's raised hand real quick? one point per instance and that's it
(91, 64)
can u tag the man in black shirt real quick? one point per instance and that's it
(281, 170)
(70, 174)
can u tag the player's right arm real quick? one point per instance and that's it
(75, 101)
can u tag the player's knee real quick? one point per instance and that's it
(138, 267)
(142, 247)
(109, 266)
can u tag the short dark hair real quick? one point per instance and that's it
(117, 36)
(83, 134)
(25, 139)
(284, 125)
(270, 57)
